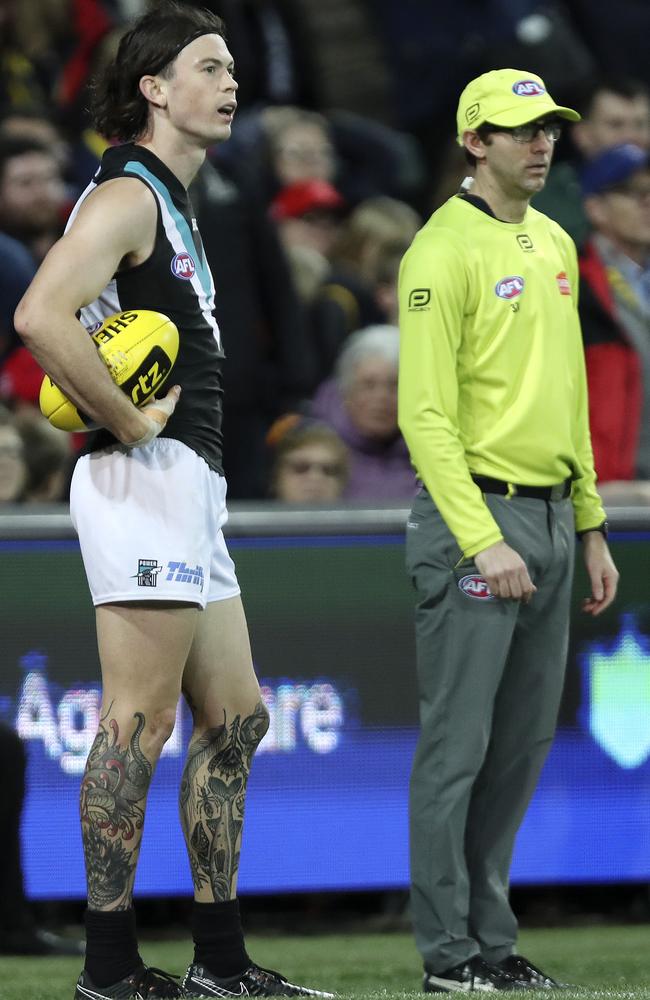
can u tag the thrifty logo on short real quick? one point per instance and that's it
(180, 572)
(563, 283)
(148, 570)
(419, 300)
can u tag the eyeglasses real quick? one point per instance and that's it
(526, 133)
(301, 466)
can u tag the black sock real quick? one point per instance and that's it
(111, 946)
(219, 938)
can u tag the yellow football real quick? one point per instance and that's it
(139, 349)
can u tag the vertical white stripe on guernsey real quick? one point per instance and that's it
(80, 200)
(179, 245)
(107, 303)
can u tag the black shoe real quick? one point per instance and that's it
(146, 983)
(35, 942)
(253, 981)
(525, 971)
(474, 974)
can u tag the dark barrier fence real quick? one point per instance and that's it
(330, 612)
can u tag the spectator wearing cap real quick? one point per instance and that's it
(360, 404)
(308, 214)
(615, 110)
(615, 317)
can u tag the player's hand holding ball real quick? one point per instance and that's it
(158, 412)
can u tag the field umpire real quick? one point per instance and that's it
(493, 406)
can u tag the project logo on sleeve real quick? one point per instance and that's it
(510, 287)
(419, 299)
(528, 88)
(563, 283)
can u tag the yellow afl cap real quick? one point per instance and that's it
(506, 97)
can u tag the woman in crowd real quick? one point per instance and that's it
(311, 462)
(360, 404)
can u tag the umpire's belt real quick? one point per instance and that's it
(557, 492)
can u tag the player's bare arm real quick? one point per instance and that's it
(505, 572)
(603, 574)
(115, 227)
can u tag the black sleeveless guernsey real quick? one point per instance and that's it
(174, 280)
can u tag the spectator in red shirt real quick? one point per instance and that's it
(615, 316)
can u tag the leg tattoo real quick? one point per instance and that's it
(113, 795)
(212, 796)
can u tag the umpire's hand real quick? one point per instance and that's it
(505, 573)
(603, 574)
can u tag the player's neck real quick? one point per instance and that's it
(506, 207)
(182, 159)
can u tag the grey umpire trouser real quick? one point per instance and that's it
(490, 676)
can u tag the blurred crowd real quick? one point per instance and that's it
(342, 147)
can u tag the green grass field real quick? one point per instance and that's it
(605, 962)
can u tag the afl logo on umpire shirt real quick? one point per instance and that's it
(183, 266)
(510, 287)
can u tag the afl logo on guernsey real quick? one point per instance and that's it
(510, 287)
(183, 266)
(528, 88)
(474, 586)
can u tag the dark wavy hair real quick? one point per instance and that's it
(119, 109)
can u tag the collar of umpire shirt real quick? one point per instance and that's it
(482, 206)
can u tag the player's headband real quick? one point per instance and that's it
(170, 56)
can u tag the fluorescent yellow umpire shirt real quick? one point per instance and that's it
(492, 375)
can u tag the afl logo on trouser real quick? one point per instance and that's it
(475, 586)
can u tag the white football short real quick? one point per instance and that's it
(150, 525)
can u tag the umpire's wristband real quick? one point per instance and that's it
(602, 528)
